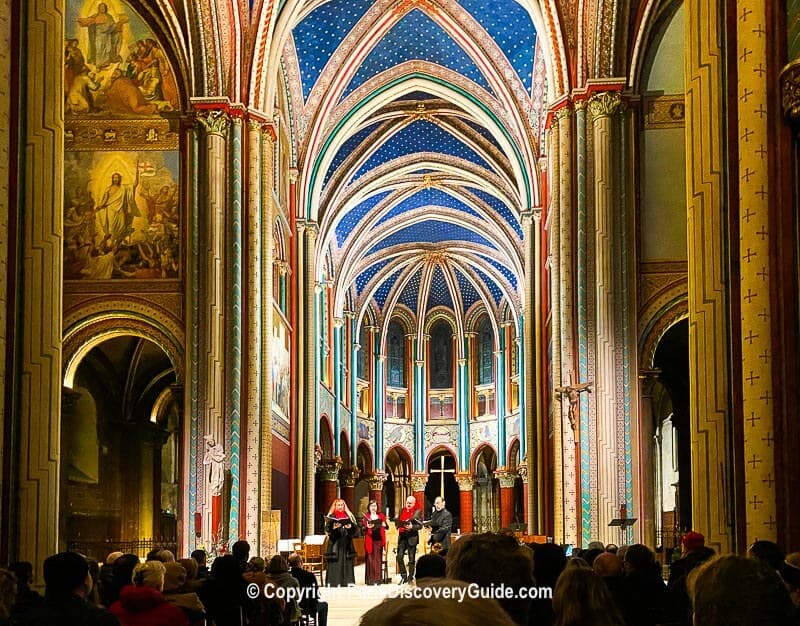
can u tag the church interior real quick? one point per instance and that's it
(536, 257)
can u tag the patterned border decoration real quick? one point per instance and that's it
(664, 111)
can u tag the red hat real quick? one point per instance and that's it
(693, 540)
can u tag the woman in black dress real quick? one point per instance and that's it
(341, 527)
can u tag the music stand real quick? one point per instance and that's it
(624, 523)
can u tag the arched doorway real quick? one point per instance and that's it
(486, 498)
(669, 394)
(442, 482)
(366, 468)
(121, 426)
(398, 480)
(518, 521)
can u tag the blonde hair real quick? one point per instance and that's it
(149, 574)
(346, 509)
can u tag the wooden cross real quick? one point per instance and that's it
(442, 471)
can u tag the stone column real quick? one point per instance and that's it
(465, 483)
(462, 396)
(553, 226)
(647, 433)
(709, 333)
(602, 108)
(375, 483)
(338, 384)
(506, 479)
(754, 89)
(418, 482)
(265, 311)
(349, 480)
(566, 207)
(420, 395)
(500, 399)
(310, 384)
(522, 470)
(7, 61)
(215, 123)
(329, 476)
(38, 329)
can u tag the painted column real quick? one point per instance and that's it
(354, 348)
(380, 401)
(233, 319)
(215, 122)
(329, 476)
(500, 400)
(523, 418)
(421, 415)
(709, 333)
(39, 326)
(754, 253)
(310, 382)
(375, 483)
(254, 302)
(588, 505)
(463, 414)
(566, 256)
(553, 229)
(465, 484)
(266, 307)
(349, 479)
(603, 107)
(506, 480)
(418, 482)
(529, 373)
(338, 384)
(522, 470)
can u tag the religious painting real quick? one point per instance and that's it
(793, 28)
(396, 374)
(441, 348)
(121, 215)
(281, 366)
(113, 64)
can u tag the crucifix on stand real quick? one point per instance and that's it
(442, 471)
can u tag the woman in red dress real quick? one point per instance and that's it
(375, 526)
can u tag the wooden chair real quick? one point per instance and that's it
(313, 559)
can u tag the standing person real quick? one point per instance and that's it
(441, 524)
(341, 527)
(408, 523)
(375, 526)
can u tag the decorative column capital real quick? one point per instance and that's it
(338, 322)
(522, 470)
(214, 121)
(462, 362)
(604, 104)
(506, 477)
(376, 481)
(269, 132)
(329, 469)
(465, 481)
(790, 91)
(69, 398)
(565, 112)
(294, 175)
(418, 481)
(350, 476)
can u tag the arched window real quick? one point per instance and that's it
(441, 355)
(362, 362)
(485, 353)
(396, 375)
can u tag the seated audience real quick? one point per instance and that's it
(549, 560)
(582, 599)
(609, 568)
(223, 595)
(310, 603)
(175, 592)
(8, 595)
(490, 559)
(430, 567)
(677, 606)
(143, 604)
(200, 557)
(278, 575)
(27, 598)
(735, 591)
(645, 592)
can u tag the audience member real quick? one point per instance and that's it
(549, 560)
(645, 591)
(735, 591)
(609, 568)
(27, 598)
(437, 611)
(67, 585)
(677, 606)
(143, 604)
(121, 576)
(430, 567)
(769, 552)
(279, 576)
(192, 583)
(241, 552)
(581, 599)
(612, 548)
(223, 594)
(310, 603)
(202, 568)
(490, 560)
(175, 592)
(8, 595)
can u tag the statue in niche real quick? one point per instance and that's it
(215, 458)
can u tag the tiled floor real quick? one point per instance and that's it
(346, 606)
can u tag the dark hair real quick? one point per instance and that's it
(64, 573)
(199, 556)
(767, 551)
(549, 560)
(23, 570)
(581, 597)
(241, 550)
(431, 566)
(640, 557)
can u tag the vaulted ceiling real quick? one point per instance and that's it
(418, 128)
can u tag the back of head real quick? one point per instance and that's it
(113, 556)
(226, 570)
(65, 573)
(431, 611)
(149, 574)
(549, 560)
(490, 560)
(277, 565)
(199, 556)
(767, 551)
(123, 568)
(607, 565)
(295, 560)
(591, 554)
(256, 564)
(23, 570)
(431, 566)
(174, 576)
(241, 550)
(8, 589)
(692, 541)
(190, 566)
(639, 558)
(581, 597)
(735, 591)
